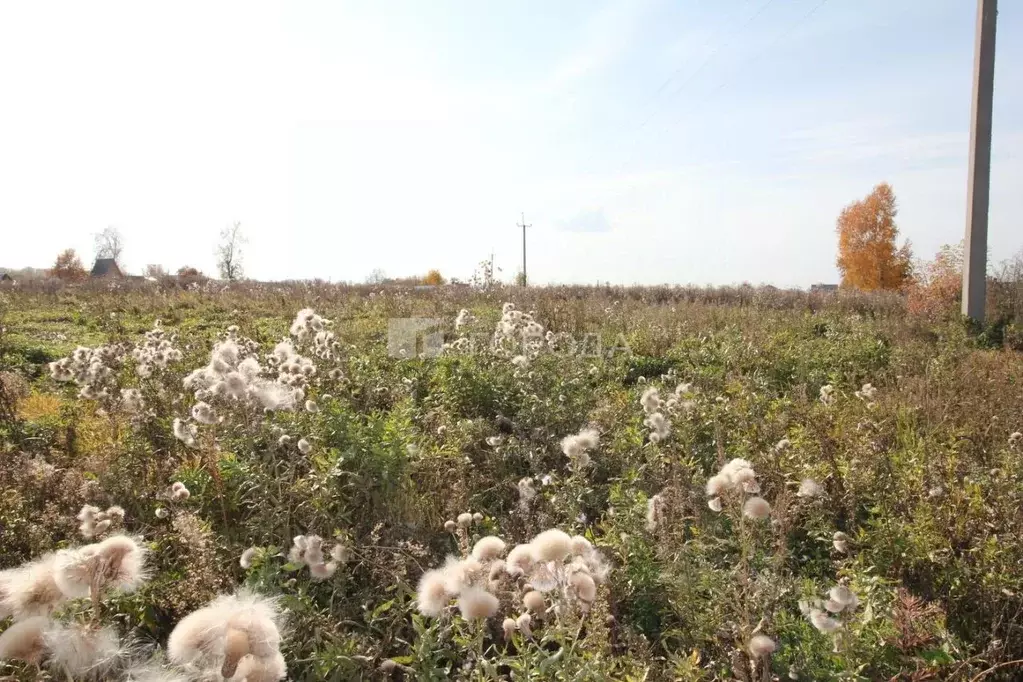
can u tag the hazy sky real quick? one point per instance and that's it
(648, 141)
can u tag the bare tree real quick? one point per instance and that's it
(155, 271)
(229, 253)
(109, 244)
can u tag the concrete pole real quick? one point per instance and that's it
(978, 190)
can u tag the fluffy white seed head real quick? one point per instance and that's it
(261, 669)
(179, 492)
(304, 446)
(185, 432)
(760, 646)
(823, 622)
(117, 563)
(87, 513)
(810, 488)
(83, 650)
(581, 546)
(844, 597)
(524, 623)
(520, 560)
(756, 508)
(217, 637)
(717, 484)
(247, 556)
(542, 578)
(151, 671)
(341, 554)
(585, 588)
(588, 438)
(488, 548)
(650, 400)
(475, 603)
(714, 504)
(203, 413)
(654, 512)
(509, 626)
(323, 571)
(465, 519)
(432, 596)
(25, 640)
(236, 384)
(840, 541)
(551, 545)
(534, 601)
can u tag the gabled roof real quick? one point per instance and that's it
(105, 267)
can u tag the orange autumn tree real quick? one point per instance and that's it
(867, 256)
(433, 277)
(68, 267)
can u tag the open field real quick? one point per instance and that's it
(762, 514)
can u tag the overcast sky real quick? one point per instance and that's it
(647, 141)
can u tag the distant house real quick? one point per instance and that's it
(4, 277)
(106, 267)
(823, 288)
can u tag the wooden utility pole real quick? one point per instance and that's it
(524, 226)
(978, 190)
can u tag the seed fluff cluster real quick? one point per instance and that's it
(307, 550)
(546, 576)
(737, 478)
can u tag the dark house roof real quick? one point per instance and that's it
(4, 277)
(106, 267)
(824, 287)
